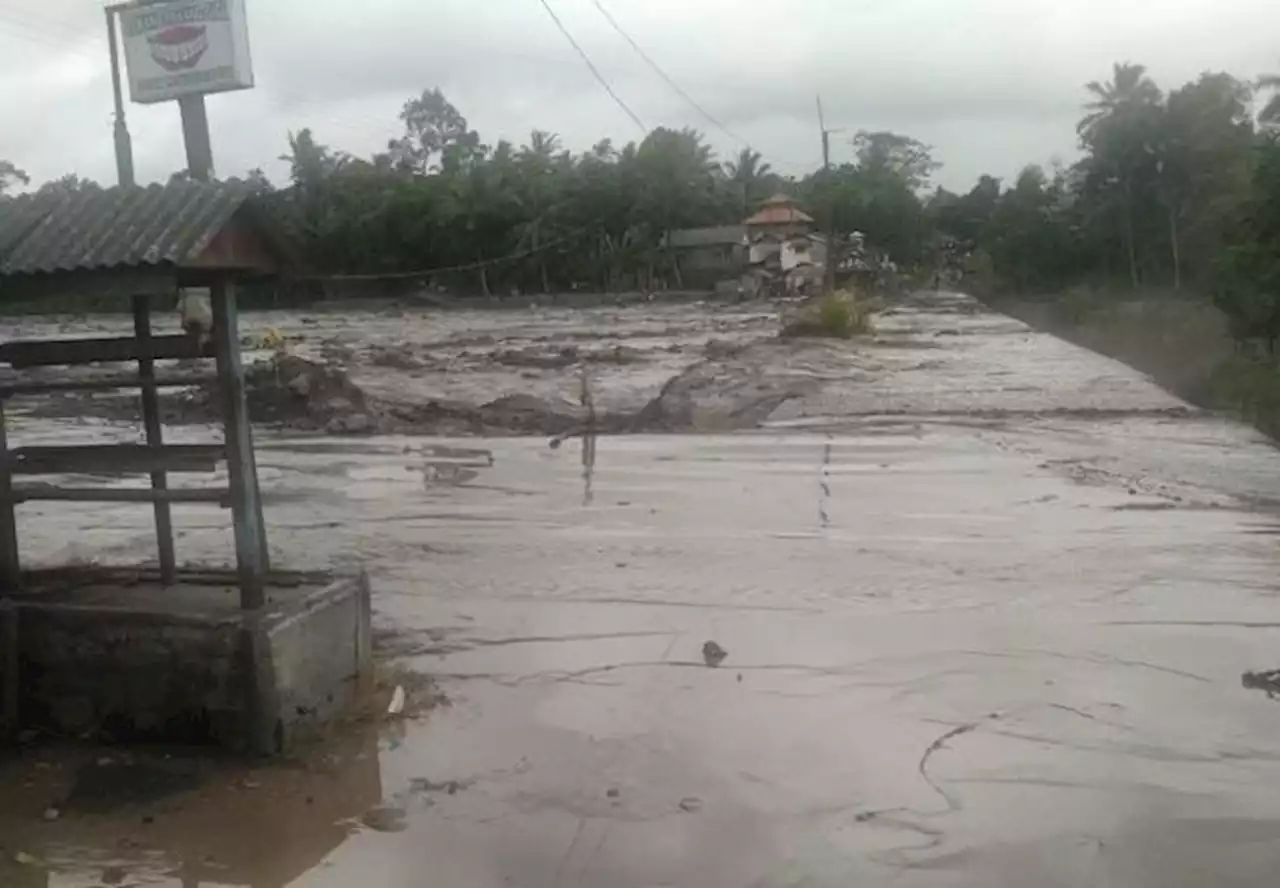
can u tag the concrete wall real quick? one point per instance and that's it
(319, 658)
(127, 675)
(260, 683)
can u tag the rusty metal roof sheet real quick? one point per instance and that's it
(99, 229)
(777, 214)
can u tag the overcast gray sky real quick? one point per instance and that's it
(991, 84)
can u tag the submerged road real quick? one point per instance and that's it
(986, 600)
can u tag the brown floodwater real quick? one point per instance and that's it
(986, 600)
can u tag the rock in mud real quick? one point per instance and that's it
(296, 391)
(713, 655)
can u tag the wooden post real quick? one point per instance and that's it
(246, 505)
(155, 435)
(12, 685)
(10, 570)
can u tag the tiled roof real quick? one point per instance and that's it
(779, 210)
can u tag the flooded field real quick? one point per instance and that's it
(986, 602)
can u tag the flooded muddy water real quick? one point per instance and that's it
(985, 601)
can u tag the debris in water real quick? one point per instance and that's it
(691, 804)
(25, 859)
(396, 706)
(450, 787)
(52, 814)
(1268, 682)
(713, 654)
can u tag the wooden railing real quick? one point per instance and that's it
(153, 458)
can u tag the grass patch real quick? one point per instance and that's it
(839, 315)
(1183, 343)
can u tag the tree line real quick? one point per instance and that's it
(1178, 190)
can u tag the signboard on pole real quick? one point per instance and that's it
(177, 48)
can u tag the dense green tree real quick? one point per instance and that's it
(1248, 285)
(1120, 131)
(886, 155)
(1269, 116)
(311, 163)
(436, 136)
(10, 176)
(68, 184)
(1203, 156)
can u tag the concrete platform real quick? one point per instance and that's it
(112, 653)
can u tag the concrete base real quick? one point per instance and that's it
(116, 654)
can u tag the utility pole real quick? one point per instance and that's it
(832, 258)
(123, 144)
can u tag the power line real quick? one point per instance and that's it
(680, 91)
(594, 70)
(468, 266)
(663, 74)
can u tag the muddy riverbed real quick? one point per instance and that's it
(986, 602)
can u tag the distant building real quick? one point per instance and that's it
(774, 245)
(779, 216)
(708, 255)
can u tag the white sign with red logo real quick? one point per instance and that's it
(176, 48)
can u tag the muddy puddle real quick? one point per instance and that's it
(994, 611)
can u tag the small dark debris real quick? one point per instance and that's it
(613, 792)
(691, 804)
(713, 654)
(1268, 682)
(451, 787)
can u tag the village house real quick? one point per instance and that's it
(706, 256)
(774, 245)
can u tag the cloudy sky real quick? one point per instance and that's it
(991, 84)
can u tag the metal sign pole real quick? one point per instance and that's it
(123, 144)
(195, 135)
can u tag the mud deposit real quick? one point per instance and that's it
(988, 610)
(471, 373)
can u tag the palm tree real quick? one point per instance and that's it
(1270, 114)
(310, 162)
(1130, 88)
(747, 173)
(536, 163)
(1115, 129)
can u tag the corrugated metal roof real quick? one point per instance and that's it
(722, 235)
(114, 227)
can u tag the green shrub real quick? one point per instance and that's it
(839, 315)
